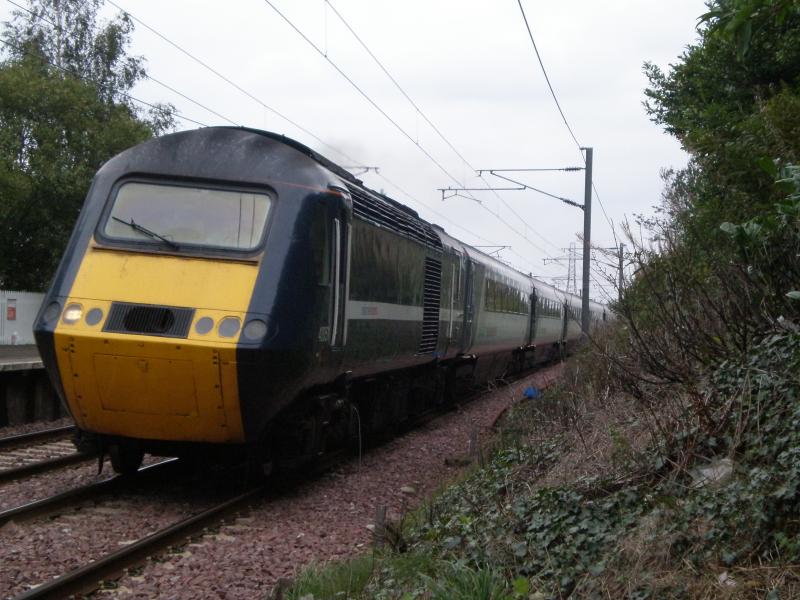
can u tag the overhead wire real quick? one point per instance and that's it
(397, 126)
(230, 81)
(433, 126)
(192, 100)
(274, 111)
(292, 122)
(358, 88)
(42, 17)
(546, 77)
(277, 113)
(280, 114)
(124, 94)
(561, 112)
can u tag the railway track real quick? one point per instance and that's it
(37, 452)
(36, 436)
(61, 500)
(88, 575)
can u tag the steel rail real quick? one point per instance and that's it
(85, 578)
(36, 436)
(57, 501)
(41, 466)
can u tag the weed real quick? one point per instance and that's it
(333, 581)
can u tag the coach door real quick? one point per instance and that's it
(340, 241)
(532, 323)
(469, 267)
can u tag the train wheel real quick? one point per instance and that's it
(125, 458)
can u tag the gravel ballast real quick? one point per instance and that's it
(325, 519)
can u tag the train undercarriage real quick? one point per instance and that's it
(349, 414)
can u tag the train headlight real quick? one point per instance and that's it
(51, 312)
(94, 316)
(229, 327)
(204, 325)
(255, 329)
(72, 314)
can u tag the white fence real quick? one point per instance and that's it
(17, 313)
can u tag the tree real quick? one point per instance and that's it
(735, 107)
(725, 260)
(64, 111)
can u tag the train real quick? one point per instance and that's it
(231, 288)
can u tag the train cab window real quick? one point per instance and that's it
(178, 215)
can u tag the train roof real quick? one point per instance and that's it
(340, 172)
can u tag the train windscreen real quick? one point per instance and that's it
(178, 215)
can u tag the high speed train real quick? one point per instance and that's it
(231, 288)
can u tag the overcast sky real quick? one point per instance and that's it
(470, 67)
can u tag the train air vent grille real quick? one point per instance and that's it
(146, 319)
(395, 217)
(431, 295)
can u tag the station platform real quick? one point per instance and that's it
(26, 394)
(19, 358)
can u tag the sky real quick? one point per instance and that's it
(470, 69)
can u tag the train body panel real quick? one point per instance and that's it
(385, 306)
(501, 309)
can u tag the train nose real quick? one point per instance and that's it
(152, 372)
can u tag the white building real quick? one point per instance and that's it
(17, 313)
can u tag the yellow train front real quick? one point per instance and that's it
(164, 305)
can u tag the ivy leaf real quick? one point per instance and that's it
(729, 228)
(752, 229)
(521, 586)
(452, 542)
(597, 569)
(520, 549)
(768, 166)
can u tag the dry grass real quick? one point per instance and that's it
(605, 441)
(685, 581)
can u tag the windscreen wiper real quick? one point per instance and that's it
(151, 234)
